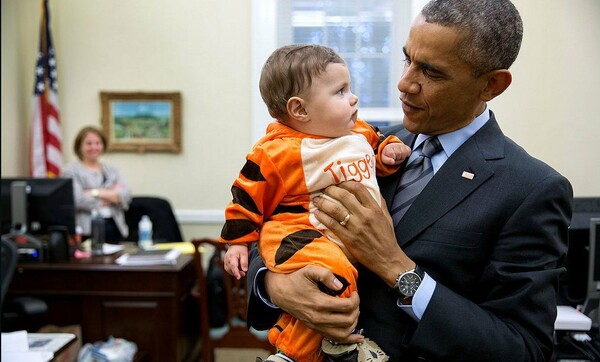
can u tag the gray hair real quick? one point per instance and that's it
(492, 30)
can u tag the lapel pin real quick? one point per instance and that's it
(468, 175)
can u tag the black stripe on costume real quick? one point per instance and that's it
(237, 228)
(293, 243)
(242, 198)
(292, 209)
(251, 171)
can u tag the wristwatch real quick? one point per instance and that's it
(409, 281)
(95, 193)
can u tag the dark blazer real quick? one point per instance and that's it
(494, 244)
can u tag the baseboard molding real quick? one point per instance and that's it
(200, 217)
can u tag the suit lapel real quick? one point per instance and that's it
(448, 187)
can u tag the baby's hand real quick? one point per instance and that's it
(236, 260)
(394, 153)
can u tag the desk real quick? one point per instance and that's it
(143, 304)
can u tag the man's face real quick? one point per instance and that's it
(438, 91)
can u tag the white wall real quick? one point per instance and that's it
(202, 49)
(552, 108)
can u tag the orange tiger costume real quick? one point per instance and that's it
(272, 203)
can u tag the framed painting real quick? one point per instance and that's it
(142, 121)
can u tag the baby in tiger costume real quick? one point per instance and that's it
(316, 141)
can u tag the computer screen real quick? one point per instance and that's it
(594, 263)
(49, 203)
(574, 284)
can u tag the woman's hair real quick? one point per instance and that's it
(81, 135)
(492, 30)
(289, 72)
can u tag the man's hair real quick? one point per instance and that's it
(289, 72)
(492, 30)
(82, 134)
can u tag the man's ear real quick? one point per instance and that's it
(296, 110)
(497, 82)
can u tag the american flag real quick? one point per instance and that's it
(46, 135)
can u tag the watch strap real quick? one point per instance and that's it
(420, 272)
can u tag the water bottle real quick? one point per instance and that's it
(145, 232)
(98, 233)
(78, 232)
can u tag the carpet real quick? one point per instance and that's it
(239, 354)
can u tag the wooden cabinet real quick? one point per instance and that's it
(149, 305)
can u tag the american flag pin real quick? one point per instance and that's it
(468, 175)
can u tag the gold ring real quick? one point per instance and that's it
(345, 221)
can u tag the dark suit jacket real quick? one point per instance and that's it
(494, 244)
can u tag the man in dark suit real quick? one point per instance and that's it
(470, 271)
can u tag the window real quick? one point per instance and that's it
(368, 35)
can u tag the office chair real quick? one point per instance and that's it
(233, 333)
(164, 224)
(18, 312)
(9, 263)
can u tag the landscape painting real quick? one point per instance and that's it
(142, 121)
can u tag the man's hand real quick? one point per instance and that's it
(298, 294)
(369, 232)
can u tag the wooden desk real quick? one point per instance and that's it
(143, 304)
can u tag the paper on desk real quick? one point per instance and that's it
(148, 257)
(48, 341)
(14, 341)
(15, 348)
(108, 249)
(184, 246)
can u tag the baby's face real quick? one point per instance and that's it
(330, 105)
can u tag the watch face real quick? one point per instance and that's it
(408, 283)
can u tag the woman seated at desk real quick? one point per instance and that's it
(97, 186)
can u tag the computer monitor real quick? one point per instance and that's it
(594, 265)
(574, 284)
(593, 291)
(46, 203)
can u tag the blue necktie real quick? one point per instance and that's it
(416, 175)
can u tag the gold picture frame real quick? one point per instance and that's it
(142, 121)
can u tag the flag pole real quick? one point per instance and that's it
(46, 134)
